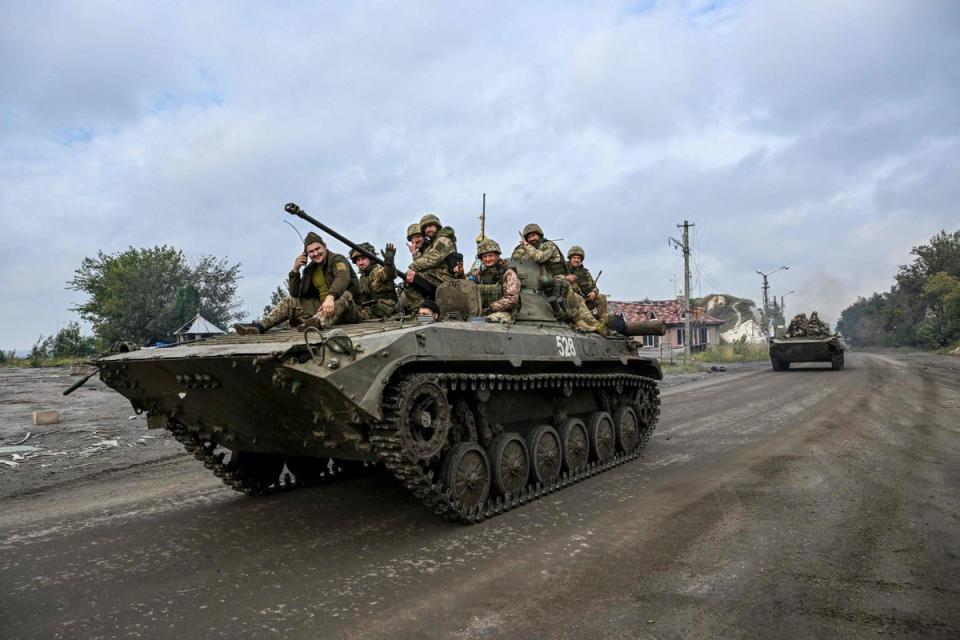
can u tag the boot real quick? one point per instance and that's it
(252, 329)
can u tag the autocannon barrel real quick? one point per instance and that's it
(645, 328)
(425, 286)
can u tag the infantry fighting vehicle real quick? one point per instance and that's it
(472, 417)
(784, 351)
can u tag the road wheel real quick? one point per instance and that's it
(575, 444)
(603, 438)
(423, 417)
(627, 429)
(546, 454)
(466, 472)
(836, 362)
(509, 463)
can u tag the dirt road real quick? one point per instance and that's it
(807, 503)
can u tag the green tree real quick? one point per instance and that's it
(70, 343)
(276, 296)
(920, 308)
(143, 295)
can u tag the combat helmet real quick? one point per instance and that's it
(413, 230)
(354, 254)
(488, 245)
(429, 219)
(575, 250)
(532, 228)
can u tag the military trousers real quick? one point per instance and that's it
(297, 310)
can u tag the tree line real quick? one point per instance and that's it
(142, 295)
(922, 308)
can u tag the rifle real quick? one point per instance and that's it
(425, 286)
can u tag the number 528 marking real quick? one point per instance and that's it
(565, 347)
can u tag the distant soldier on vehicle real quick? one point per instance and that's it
(499, 284)
(430, 261)
(817, 327)
(378, 293)
(798, 326)
(321, 297)
(545, 253)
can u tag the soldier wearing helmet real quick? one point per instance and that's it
(414, 239)
(378, 295)
(499, 284)
(545, 253)
(322, 296)
(439, 242)
(579, 276)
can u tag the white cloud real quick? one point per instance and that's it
(820, 135)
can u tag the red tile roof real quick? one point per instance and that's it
(670, 311)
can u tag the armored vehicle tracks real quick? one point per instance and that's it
(450, 470)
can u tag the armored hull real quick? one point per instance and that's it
(784, 351)
(472, 417)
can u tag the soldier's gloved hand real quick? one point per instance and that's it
(389, 252)
(592, 296)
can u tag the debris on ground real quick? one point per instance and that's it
(51, 416)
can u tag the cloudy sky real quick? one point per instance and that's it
(820, 135)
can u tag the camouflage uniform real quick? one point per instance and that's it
(586, 284)
(499, 285)
(378, 294)
(546, 254)
(817, 327)
(431, 261)
(798, 326)
(305, 298)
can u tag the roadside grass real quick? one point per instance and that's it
(733, 353)
(27, 363)
(680, 367)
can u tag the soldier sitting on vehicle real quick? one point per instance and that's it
(545, 253)
(817, 327)
(431, 260)
(798, 326)
(580, 276)
(499, 284)
(322, 297)
(414, 239)
(378, 294)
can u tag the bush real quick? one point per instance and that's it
(739, 351)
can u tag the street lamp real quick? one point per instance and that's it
(766, 302)
(783, 309)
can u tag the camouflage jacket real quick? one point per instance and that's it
(545, 253)
(431, 262)
(376, 283)
(339, 274)
(585, 282)
(499, 287)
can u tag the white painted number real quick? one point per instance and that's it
(565, 347)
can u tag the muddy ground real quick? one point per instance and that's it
(807, 503)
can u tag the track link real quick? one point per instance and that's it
(387, 441)
(252, 485)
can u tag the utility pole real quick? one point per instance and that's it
(766, 299)
(685, 246)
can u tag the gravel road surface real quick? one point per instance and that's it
(806, 503)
